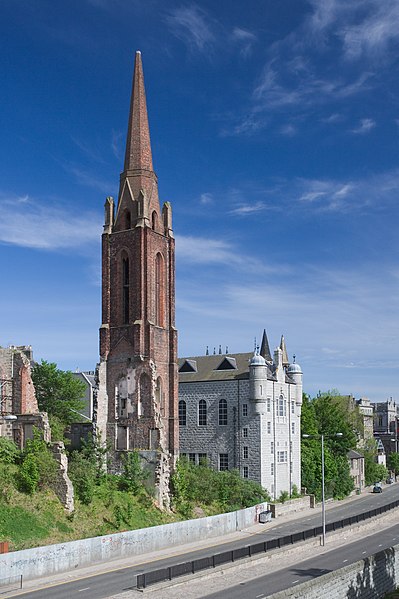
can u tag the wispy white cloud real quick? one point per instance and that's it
(365, 126)
(289, 130)
(29, 223)
(89, 179)
(192, 26)
(206, 198)
(245, 39)
(117, 144)
(244, 209)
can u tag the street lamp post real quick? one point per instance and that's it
(323, 499)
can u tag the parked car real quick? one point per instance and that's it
(390, 480)
(377, 488)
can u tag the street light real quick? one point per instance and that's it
(323, 502)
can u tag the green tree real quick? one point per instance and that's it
(9, 452)
(58, 392)
(393, 462)
(327, 414)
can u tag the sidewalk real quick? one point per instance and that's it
(142, 560)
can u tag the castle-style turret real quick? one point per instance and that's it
(258, 383)
(138, 339)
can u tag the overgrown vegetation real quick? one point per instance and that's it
(215, 492)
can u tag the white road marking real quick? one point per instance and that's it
(295, 581)
(345, 560)
(363, 552)
(81, 590)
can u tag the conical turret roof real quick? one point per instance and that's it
(264, 348)
(284, 350)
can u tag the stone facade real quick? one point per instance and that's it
(19, 412)
(63, 485)
(136, 404)
(243, 411)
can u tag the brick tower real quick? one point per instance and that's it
(137, 398)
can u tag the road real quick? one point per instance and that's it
(108, 584)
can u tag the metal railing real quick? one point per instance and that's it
(211, 561)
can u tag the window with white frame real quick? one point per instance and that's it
(272, 447)
(281, 406)
(293, 428)
(245, 409)
(245, 452)
(293, 407)
(245, 472)
(272, 468)
(282, 457)
(191, 457)
(245, 432)
(268, 404)
(269, 427)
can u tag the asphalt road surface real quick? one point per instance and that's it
(108, 584)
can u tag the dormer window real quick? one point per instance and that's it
(188, 366)
(227, 364)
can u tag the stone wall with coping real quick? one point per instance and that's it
(51, 559)
(369, 578)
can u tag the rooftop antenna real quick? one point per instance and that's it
(214, 351)
(294, 356)
(207, 351)
(255, 345)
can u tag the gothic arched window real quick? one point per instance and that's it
(222, 412)
(159, 291)
(154, 221)
(182, 413)
(202, 412)
(125, 290)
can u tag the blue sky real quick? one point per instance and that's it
(275, 129)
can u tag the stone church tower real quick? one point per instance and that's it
(138, 384)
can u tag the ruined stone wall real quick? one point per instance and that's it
(17, 390)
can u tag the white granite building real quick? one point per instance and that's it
(243, 411)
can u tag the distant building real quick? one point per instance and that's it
(356, 468)
(386, 423)
(243, 411)
(19, 412)
(367, 412)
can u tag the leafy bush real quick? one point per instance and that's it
(38, 467)
(9, 452)
(201, 485)
(133, 475)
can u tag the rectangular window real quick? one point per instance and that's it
(293, 407)
(245, 432)
(223, 461)
(268, 404)
(222, 412)
(291, 446)
(281, 406)
(293, 428)
(269, 427)
(191, 457)
(291, 467)
(272, 468)
(245, 472)
(272, 447)
(245, 452)
(202, 458)
(281, 457)
(245, 409)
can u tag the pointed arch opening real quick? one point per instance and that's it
(159, 396)
(154, 221)
(125, 289)
(159, 290)
(128, 219)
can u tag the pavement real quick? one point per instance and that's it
(144, 560)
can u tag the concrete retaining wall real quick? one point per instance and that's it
(50, 559)
(369, 578)
(290, 506)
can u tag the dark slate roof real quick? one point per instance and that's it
(354, 455)
(208, 368)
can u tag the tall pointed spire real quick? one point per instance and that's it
(138, 146)
(284, 350)
(265, 349)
